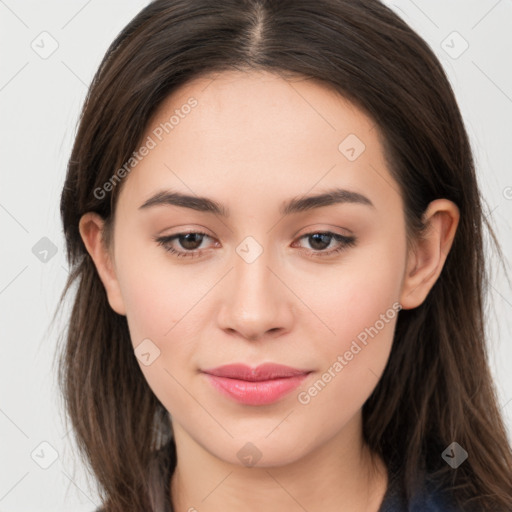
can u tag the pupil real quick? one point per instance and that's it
(189, 239)
(321, 238)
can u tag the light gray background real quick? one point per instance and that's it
(40, 101)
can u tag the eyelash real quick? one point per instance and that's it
(345, 243)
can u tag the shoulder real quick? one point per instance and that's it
(433, 501)
(429, 498)
(433, 498)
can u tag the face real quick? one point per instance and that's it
(268, 277)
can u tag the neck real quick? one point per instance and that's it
(339, 476)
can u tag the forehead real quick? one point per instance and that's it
(262, 134)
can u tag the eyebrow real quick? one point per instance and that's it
(294, 205)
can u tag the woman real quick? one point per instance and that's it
(274, 224)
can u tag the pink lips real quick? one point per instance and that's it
(262, 385)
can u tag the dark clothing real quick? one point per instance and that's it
(393, 501)
(426, 500)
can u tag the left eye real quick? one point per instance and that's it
(320, 240)
(191, 242)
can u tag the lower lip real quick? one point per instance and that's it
(256, 393)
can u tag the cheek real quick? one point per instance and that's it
(351, 297)
(157, 293)
(152, 303)
(161, 322)
(353, 361)
(165, 304)
(359, 304)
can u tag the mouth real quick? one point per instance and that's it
(262, 385)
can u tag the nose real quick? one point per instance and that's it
(255, 302)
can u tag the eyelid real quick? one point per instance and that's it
(322, 227)
(197, 228)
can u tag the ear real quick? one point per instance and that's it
(426, 259)
(91, 227)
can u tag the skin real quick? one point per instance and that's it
(254, 141)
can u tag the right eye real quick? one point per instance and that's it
(189, 241)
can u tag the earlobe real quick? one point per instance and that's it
(91, 230)
(426, 260)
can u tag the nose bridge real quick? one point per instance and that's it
(256, 300)
(252, 272)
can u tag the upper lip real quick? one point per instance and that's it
(266, 371)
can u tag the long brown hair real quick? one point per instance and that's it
(437, 387)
